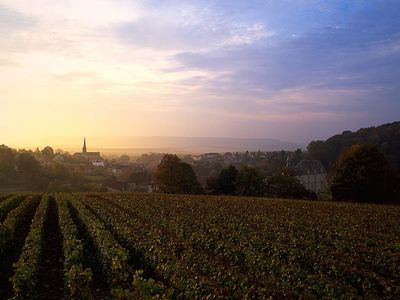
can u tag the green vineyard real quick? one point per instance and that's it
(149, 246)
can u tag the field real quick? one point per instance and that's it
(142, 246)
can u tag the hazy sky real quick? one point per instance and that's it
(292, 70)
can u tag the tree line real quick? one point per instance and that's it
(385, 137)
(35, 171)
(362, 173)
(177, 177)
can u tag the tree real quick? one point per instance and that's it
(37, 153)
(227, 181)
(249, 182)
(176, 177)
(48, 152)
(297, 157)
(224, 183)
(363, 175)
(27, 164)
(60, 172)
(386, 137)
(187, 180)
(6, 160)
(212, 185)
(287, 186)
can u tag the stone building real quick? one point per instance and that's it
(312, 175)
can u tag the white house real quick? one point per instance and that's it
(98, 162)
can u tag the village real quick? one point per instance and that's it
(136, 174)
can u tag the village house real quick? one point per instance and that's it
(99, 162)
(122, 171)
(59, 158)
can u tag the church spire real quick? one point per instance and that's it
(84, 145)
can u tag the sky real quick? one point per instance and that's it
(294, 70)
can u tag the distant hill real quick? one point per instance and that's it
(386, 137)
(136, 145)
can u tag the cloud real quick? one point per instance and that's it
(330, 69)
(247, 35)
(291, 117)
(11, 19)
(73, 76)
(188, 26)
(256, 65)
(170, 35)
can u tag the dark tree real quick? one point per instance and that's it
(297, 157)
(166, 173)
(176, 177)
(6, 160)
(227, 181)
(363, 175)
(249, 182)
(224, 183)
(60, 172)
(187, 180)
(287, 186)
(212, 185)
(27, 164)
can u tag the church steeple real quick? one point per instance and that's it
(84, 150)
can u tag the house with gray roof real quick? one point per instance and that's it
(312, 175)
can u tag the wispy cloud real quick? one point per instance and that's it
(189, 28)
